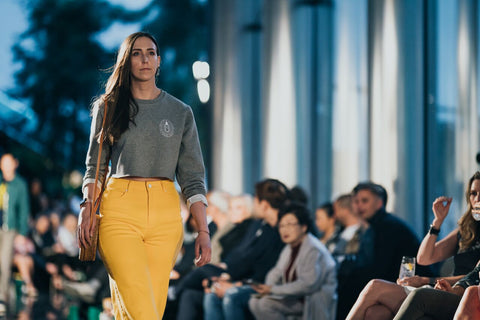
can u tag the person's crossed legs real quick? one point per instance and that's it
(379, 299)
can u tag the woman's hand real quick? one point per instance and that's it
(443, 285)
(85, 230)
(203, 250)
(415, 281)
(262, 289)
(440, 208)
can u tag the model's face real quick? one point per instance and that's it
(475, 193)
(144, 60)
(366, 204)
(323, 221)
(291, 231)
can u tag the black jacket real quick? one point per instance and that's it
(257, 253)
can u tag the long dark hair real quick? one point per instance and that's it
(467, 225)
(118, 94)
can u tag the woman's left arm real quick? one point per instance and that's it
(191, 177)
(203, 250)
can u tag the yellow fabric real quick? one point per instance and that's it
(3, 191)
(140, 236)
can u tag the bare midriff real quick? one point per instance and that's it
(145, 179)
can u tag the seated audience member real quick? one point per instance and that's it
(41, 254)
(469, 306)
(55, 222)
(439, 303)
(42, 237)
(353, 250)
(353, 227)
(249, 259)
(328, 226)
(382, 299)
(67, 236)
(217, 210)
(184, 265)
(84, 282)
(39, 202)
(93, 289)
(239, 215)
(392, 238)
(45, 245)
(303, 281)
(65, 248)
(240, 218)
(23, 261)
(217, 214)
(298, 194)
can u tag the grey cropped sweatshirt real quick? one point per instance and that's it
(162, 142)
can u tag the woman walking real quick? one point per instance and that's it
(151, 139)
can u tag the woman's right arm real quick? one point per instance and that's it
(93, 150)
(431, 250)
(85, 228)
(85, 231)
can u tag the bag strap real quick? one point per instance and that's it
(97, 199)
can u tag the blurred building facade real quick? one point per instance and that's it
(325, 94)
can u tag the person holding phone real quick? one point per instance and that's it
(303, 281)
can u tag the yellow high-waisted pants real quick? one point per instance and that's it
(139, 238)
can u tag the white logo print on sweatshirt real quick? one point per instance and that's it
(166, 128)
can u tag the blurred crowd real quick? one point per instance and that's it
(272, 257)
(40, 274)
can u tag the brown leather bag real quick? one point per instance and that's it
(88, 253)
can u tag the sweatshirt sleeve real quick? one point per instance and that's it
(190, 168)
(93, 149)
